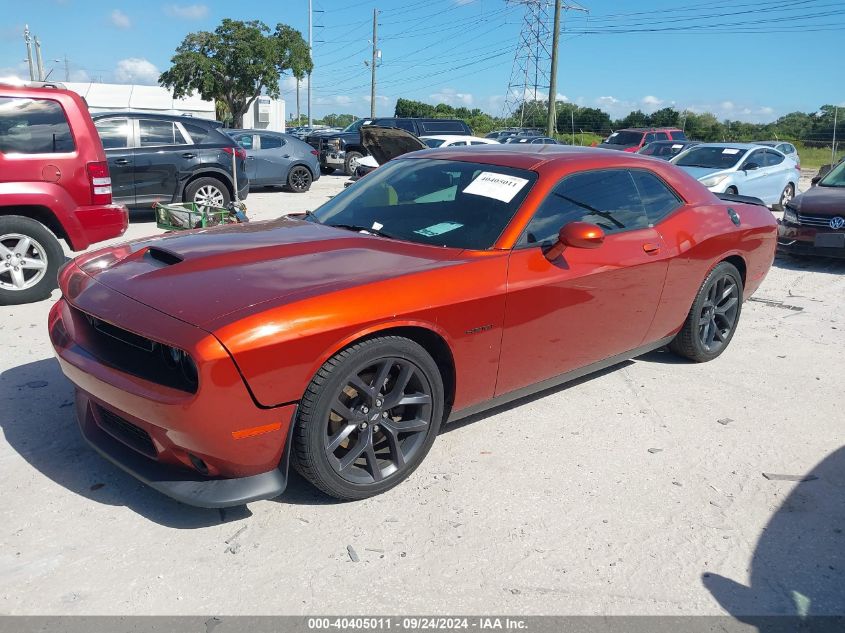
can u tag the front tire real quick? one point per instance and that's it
(351, 162)
(732, 191)
(712, 320)
(787, 195)
(368, 418)
(30, 256)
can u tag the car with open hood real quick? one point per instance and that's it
(382, 145)
(444, 283)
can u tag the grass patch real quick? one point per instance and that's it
(815, 157)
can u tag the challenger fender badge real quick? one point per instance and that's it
(734, 216)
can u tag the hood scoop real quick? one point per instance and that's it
(163, 256)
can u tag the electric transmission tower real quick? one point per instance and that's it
(528, 87)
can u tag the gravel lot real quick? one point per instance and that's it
(636, 491)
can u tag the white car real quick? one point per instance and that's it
(455, 141)
(742, 168)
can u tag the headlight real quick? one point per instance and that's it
(790, 215)
(336, 143)
(712, 181)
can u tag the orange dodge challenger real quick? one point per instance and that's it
(443, 283)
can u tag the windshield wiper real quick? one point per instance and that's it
(312, 217)
(363, 229)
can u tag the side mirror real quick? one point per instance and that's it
(750, 167)
(576, 235)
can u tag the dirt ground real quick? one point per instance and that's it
(640, 490)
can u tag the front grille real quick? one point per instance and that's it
(822, 221)
(133, 436)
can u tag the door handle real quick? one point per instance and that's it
(189, 155)
(121, 161)
(285, 155)
(651, 248)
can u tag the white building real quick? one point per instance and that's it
(265, 113)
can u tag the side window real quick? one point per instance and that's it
(34, 126)
(114, 133)
(178, 137)
(649, 137)
(270, 142)
(244, 140)
(478, 143)
(154, 133)
(197, 132)
(773, 158)
(403, 124)
(657, 198)
(758, 157)
(661, 136)
(606, 197)
(678, 135)
(457, 143)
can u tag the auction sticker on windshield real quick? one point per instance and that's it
(730, 151)
(439, 229)
(499, 186)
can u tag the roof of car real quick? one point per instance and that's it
(455, 137)
(770, 143)
(528, 156)
(745, 146)
(649, 129)
(156, 115)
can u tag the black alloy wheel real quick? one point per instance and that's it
(712, 320)
(299, 179)
(369, 417)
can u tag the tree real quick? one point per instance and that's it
(665, 117)
(236, 63)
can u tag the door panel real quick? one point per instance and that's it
(161, 156)
(585, 306)
(116, 136)
(247, 141)
(273, 159)
(754, 182)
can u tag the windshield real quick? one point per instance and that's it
(711, 157)
(355, 125)
(434, 202)
(835, 178)
(624, 138)
(433, 142)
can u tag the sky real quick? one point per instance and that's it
(739, 59)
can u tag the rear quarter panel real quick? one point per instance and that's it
(698, 238)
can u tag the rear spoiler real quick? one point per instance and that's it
(732, 197)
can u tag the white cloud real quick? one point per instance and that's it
(136, 70)
(187, 11)
(120, 19)
(561, 97)
(452, 97)
(651, 103)
(80, 76)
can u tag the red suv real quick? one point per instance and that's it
(54, 184)
(632, 139)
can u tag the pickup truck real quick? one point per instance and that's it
(343, 150)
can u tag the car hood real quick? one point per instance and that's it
(201, 276)
(386, 143)
(820, 200)
(703, 172)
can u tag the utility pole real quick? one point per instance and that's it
(311, 55)
(553, 76)
(38, 60)
(67, 69)
(28, 39)
(833, 145)
(373, 66)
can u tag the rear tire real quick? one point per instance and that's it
(787, 195)
(368, 418)
(299, 179)
(732, 191)
(208, 192)
(712, 320)
(38, 255)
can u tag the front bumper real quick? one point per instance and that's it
(212, 448)
(336, 159)
(802, 240)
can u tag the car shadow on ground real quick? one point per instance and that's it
(37, 419)
(798, 567)
(810, 264)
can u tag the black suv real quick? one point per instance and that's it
(163, 158)
(343, 150)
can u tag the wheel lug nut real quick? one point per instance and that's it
(379, 403)
(384, 414)
(375, 428)
(365, 409)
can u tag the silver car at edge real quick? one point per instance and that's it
(273, 158)
(742, 168)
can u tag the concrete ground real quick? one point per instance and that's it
(640, 490)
